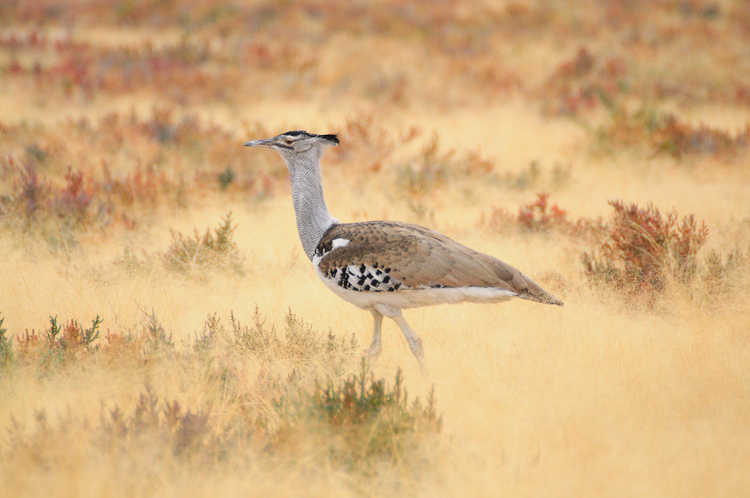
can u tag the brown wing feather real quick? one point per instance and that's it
(420, 257)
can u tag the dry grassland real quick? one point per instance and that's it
(120, 138)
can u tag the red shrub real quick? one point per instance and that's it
(540, 216)
(643, 249)
(74, 199)
(679, 139)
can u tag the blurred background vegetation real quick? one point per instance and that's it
(600, 146)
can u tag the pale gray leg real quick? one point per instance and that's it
(415, 344)
(376, 347)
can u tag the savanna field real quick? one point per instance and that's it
(162, 333)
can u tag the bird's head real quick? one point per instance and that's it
(296, 145)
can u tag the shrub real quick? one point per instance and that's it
(643, 250)
(226, 178)
(361, 419)
(433, 167)
(169, 161)
(427, 170)
(31, 191)
(678, 139)
(156, 340)
(665, 134)
(58, 345)
(300, 342)
(638, 249)
(212, 250)
(358, 420)
(526, 178)
(184, 432)
(73, 201)
(723, 273)
(166, 425)
(70, 343)
(369, 144)
(254, 340)
(6, 347)
(541, 216)
(572, 86)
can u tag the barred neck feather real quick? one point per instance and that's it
(313, 218)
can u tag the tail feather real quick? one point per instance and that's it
(523, 286)
(533, 292)
(541, 297)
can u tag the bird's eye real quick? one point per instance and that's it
(289, 141)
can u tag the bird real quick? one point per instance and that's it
(387, 266)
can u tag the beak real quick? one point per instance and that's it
(266, 142)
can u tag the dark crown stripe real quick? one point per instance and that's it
(333, 138)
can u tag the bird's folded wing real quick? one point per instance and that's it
(419, 257)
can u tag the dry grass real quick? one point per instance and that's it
(136, 360)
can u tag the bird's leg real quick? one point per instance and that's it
(376, 347)
(415, 344)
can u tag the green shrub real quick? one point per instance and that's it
(58, 345)
(360, 419)
(6, 347)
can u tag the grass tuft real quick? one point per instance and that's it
(300, 344)
(212, 250)
(724, 273)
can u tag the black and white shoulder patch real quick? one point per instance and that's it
(356, 274)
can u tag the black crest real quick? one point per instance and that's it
(334, 139)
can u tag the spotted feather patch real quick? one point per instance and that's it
(364, 278)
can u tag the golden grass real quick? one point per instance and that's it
(590, 398)
(606, 396)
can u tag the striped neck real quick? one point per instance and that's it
(313, 218)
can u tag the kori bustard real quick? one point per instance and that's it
(385, 266)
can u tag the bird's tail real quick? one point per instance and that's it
(541, 297)
(533, 292)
